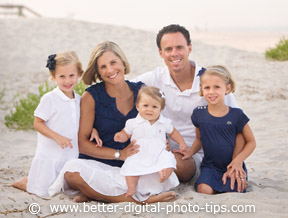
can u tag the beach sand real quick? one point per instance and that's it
(261, 92)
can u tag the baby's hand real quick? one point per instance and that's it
(183, 147)
(120, 137)
(63, 142)
(95, 135)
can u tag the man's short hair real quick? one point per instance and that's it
(173, 28)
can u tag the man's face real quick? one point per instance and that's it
(175, 51)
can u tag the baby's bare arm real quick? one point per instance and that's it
(121, 136)
(176, 136)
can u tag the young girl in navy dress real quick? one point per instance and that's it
(149, 130)
(216, 128)
(57, 121)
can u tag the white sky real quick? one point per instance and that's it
(208, 15)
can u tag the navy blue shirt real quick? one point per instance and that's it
(108, 120)
(218, 135)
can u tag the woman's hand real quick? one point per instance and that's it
(131, 149)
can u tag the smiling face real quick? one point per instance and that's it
(214, 89)
(175, 51)
(111, 68)
(149, 108)
(66, 78)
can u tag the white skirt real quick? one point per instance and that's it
(107, 180)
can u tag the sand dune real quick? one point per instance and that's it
(261, 92)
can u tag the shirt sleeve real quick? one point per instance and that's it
(129, 126)
(242, 121)
(230, 100)
(148, 78)
(45, 108)
(168, 125)
(194, 118)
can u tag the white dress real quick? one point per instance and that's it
(61, 114)
(153, 155)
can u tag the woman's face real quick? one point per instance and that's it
(111, 68)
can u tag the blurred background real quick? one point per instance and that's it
(198, 15)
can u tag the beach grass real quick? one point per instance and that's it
(280, 52)
(21, 117)
(2, 93)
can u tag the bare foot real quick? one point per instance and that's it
(164, 174)
(130, 192)
(80, 198)
(163, 197)
(21, 184)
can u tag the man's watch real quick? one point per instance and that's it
(117, 154)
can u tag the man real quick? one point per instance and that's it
(180, 83)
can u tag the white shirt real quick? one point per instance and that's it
(152, 156)
(61, 114)
(180, 105)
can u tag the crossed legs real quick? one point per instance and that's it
(76, 182)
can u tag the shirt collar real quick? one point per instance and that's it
(196, 81)
(140, 119)
(64, 97)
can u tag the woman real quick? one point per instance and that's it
(106, 106)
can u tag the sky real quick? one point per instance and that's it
(203, 15)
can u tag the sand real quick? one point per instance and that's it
(261, 92)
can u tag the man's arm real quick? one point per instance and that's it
(230, 100)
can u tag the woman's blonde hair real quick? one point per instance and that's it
(154, 93)
(65, 58)
(222, 73)
(92, 74)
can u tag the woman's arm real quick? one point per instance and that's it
(87, 116)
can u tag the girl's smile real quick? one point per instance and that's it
(66, 79)
(214, 89)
